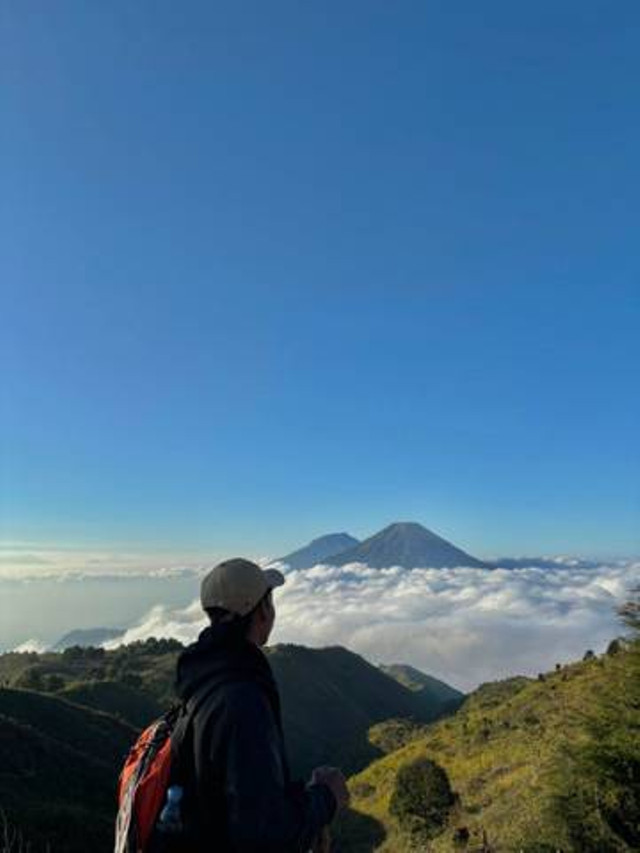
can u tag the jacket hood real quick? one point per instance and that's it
(221, 655)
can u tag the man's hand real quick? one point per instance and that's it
(333, 778)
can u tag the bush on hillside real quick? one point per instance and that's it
(461, 837)
(422, 798)
(614, 647)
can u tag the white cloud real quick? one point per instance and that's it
(31, 646)
(26, 563)
(463, 625)
(162, 622)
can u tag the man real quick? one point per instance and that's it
(245, 799)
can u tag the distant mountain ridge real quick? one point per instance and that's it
(431, 689)
(319, 550)
(406, 544)
(86, 637)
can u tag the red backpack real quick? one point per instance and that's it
(145, 776)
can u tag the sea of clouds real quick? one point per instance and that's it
(24, 562)
(463, 625)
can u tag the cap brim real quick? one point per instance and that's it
(273, 578)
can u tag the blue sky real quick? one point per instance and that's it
(275, 269)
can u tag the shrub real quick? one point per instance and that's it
(422, 798)
(461, 836)
(614, 647)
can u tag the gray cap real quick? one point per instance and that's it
(237, 585)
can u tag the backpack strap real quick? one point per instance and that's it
(182, 735)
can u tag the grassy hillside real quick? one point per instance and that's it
(523, 757)
(58, 771)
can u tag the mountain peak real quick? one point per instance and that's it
(319, 550)
(407, 528)
(409, 545)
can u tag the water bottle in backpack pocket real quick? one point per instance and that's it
(170, 820)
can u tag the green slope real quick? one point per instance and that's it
(512, 753)
(58, 772)
(133, 705)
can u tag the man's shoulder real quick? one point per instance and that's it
(244, 696)
(234, 697)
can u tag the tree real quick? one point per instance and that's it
(422, 798)
(614, 647)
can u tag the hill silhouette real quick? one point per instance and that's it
(86, 637)
(330, 699)
(319, 550)
(330, 696)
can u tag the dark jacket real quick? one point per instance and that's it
(246, 802)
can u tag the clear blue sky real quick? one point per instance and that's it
(275, 269)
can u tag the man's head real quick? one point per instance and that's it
(238, 591)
